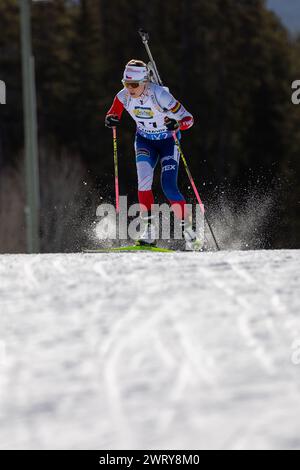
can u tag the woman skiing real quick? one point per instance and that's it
(157, 115)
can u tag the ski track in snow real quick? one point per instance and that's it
(150, 351)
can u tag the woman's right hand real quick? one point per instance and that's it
(112, 120)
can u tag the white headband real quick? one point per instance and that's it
(135, 74)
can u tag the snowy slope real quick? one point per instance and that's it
(150, 351)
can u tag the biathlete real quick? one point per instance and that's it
(157, 115)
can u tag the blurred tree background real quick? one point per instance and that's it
(231, 62)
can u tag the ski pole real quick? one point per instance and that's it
(189, 174)
(195, 188)
(115, 146)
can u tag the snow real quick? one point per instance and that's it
(145, 351)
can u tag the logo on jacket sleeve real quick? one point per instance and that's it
(176, 108)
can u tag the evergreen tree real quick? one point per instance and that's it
(231, 62)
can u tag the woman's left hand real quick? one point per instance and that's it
(171, 124)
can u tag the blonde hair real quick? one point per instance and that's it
(136, 63)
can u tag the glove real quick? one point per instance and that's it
(171, 124)
(112, 120)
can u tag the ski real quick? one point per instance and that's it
(131, 248)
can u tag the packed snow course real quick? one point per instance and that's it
(150, 351)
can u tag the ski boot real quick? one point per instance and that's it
(149, 236)
(192, 242)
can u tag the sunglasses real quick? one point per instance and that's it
(131, 84)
